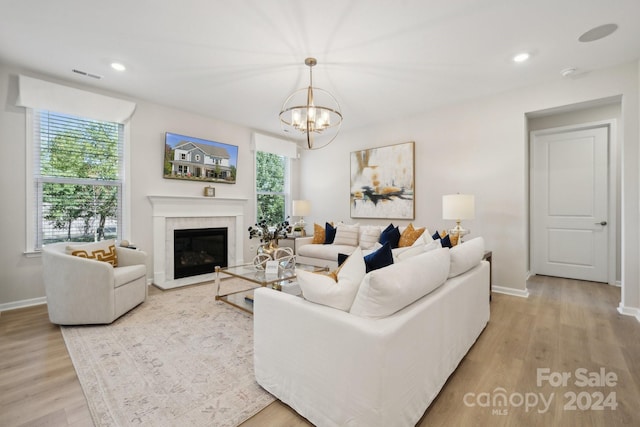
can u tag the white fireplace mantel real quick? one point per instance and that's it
(169, 207)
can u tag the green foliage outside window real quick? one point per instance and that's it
(79, 177)
(270, 186)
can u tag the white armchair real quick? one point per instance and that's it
(87, 291)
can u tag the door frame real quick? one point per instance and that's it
(612, 177)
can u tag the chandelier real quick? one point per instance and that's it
(311, 116)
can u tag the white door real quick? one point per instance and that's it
(570, 204)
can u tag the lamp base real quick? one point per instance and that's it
(298, 227)
(458, 232)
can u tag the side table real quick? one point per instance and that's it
(288, 242)
(488, 257)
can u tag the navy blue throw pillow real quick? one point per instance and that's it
(329, 233)
(380, 258)
(446, 242)
(342, 258)
(390, 235)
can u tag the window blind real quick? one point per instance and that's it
(78, 178)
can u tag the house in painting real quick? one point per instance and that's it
(192, 159)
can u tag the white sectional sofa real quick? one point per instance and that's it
(383, 359)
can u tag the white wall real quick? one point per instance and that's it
(480, 147)
(21, 276)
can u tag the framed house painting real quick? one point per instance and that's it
(196, 159)
(382, 182)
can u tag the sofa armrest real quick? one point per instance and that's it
(301, 241)
(326, 355)
(128, 257)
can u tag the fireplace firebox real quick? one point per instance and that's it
(198, 251)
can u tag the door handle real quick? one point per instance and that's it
(601, 223)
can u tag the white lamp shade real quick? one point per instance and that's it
(458, 206)
(301, 208)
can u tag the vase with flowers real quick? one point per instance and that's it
(269, 234)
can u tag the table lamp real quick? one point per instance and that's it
(300, 208)
(458, 207)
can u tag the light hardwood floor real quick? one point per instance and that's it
(564, 325)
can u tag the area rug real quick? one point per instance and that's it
(181, 358)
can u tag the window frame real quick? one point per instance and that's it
(34, 215)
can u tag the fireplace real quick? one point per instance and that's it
(198, 251)
(172, 213)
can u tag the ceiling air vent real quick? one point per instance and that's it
(84, 73)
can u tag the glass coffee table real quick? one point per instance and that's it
(241, 295)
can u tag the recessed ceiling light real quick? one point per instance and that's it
(598, 33)
(118, 66)
(521, 57)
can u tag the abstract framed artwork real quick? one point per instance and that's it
(382, 182)
(196, 159)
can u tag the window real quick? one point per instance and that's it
(77, 177)
(272, 178)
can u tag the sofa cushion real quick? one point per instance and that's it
(390, 234)
(387, 290)
(410, 235)
(324, 289)
(329, 233)
(368, 236)
(466, 255)
(104, 250)
(347, 235)
(318, 234)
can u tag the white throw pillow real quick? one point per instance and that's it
(425, 238)
(466, 255)
(369, 236)
(414, 250)
(323, 289)
(390, 289)
(347, 235)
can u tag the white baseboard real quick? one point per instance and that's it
(23, 303)
(510, 291)
(629, 311)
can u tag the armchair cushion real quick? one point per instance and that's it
(124, 275)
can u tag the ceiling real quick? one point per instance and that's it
(238, 60)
